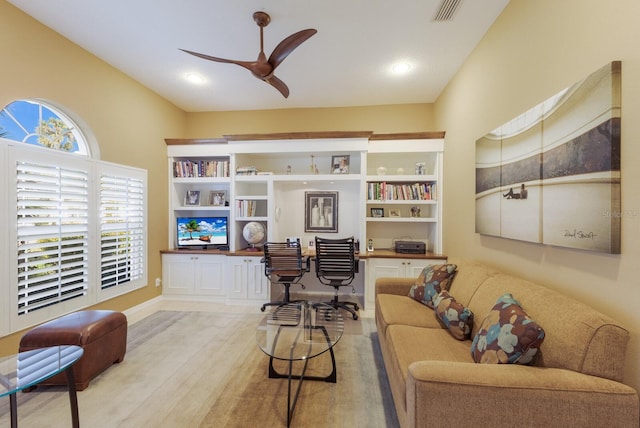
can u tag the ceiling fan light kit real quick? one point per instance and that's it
(264, 68)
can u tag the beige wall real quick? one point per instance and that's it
(379, 119)
(129, 121)
(535, 49)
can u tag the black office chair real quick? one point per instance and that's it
(336, 265)
(283, 264)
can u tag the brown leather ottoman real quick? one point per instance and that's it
(101, 334)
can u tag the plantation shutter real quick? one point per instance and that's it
(122, 227)
(52, 233)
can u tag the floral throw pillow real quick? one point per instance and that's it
(507, 335)
(432, 280)
(455, 317)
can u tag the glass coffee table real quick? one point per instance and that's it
(29, 368)
(298, 332)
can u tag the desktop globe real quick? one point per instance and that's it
(253, 232)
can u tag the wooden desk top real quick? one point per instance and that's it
(379, 254)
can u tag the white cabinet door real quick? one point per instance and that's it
(394, 268)
(413, 267)
(193, 274)
(237, 278)
(209, 275)
(247, 280)
(257, 284)
(177, 274)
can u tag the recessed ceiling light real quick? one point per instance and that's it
(401, 67)
(194, 78)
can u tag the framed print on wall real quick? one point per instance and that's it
(552, 174)
(321, 212)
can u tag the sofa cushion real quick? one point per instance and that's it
(432, 280)
(507, 335)
(393, 309)
(455, 317)
(408, 344)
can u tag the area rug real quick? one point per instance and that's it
(359, 398)
(204, 369)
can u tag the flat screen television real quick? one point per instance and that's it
(203, 232)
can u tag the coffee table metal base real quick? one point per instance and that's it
(73, 401)
(274, 374)
(32, 367)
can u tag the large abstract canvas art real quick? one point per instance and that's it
(552, 174)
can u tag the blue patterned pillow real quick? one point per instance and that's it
(507, 335)
(432, 280)
(455, 317)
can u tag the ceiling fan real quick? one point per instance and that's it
(262, 68)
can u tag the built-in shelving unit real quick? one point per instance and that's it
(403, 189)
(389, 186)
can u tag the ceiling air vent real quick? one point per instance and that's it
(446, 10)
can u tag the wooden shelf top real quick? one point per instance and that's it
(376, 253)
(225, 139)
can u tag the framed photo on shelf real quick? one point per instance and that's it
(377, 212)
(340, 164)
(394, 213)
(321, 212)
(192, 197)
(217, 198)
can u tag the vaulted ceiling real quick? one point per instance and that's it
(347, 63)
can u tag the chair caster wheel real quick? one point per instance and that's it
(355, 317)
(356, 307)
(262, 309)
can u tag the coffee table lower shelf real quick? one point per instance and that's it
(274, 374)
(288, 333)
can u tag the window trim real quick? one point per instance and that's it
(10, 153)
(137, 174)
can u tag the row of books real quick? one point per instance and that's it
(246, 170)
(383, 191)
(201, 168)
(246, 208)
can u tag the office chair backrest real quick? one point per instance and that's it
(283, 259)
(335, 260)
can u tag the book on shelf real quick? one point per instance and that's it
(200, 168)
(246, 208)
(383, 191)
(247, 170)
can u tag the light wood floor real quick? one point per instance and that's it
(51, 408)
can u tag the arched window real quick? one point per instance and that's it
(77, 226)
(42, 124)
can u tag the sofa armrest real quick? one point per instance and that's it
(399, 286)
(439, 391)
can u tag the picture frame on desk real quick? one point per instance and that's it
(217, 198)
(192, 197)
(293, 241)
(340, 164)
(321, 212)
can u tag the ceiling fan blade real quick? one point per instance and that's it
(287, 46)
(279, 85)
(246, 64)
(262, 68)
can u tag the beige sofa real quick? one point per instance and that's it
(575, 379)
